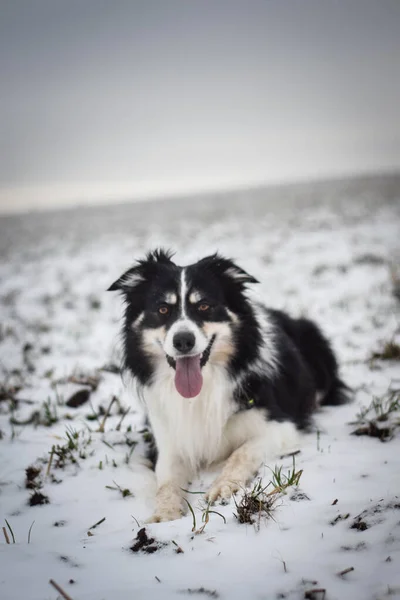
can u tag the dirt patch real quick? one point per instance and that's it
(144, 543)
(32, 481)
(315, 594)
(38, 498)
(80, 397)
(371, 429)
(374, 515)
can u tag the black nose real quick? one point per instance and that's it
(184, 341)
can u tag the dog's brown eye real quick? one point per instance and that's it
(163, 310)
(204, 307)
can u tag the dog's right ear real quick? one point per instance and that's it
(142, 272)
(129, 280)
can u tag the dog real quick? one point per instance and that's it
(222, 377)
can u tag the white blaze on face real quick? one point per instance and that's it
(184, 324)
(183, 293)
(188, 376)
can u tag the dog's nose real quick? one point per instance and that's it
(184, 341)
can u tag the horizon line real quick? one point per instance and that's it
(106, 194)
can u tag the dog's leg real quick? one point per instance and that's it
(172, 476)
(244, 462)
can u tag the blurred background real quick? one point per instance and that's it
(133, 99)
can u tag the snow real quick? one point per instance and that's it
(320, 250)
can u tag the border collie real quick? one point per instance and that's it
(222, 377)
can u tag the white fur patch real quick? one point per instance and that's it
(131, 280)
(153, 342)
(237, 274)
(195, 297)
(267, 362)
(234, 318)
(190, 429)
(137, 321)
(223, 347)
(171, 298)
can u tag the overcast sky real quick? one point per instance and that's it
(108, 98)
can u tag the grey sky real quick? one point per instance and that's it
(156, 96)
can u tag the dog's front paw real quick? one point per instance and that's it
(223, 489)
(171, 513)
(168, 504)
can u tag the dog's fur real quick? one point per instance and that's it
(251, 376)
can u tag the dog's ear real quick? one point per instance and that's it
(129, 280)
(142, 272)
(238, 274)
(227, 268)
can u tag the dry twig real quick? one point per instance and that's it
(345, 571)
(59, 590)
(6, 535)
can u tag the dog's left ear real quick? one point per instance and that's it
(226, 267)
(239, 275)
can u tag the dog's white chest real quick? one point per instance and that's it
(192, 428)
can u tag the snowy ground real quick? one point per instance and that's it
(321, 250)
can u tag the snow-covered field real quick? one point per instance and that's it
(320, 250)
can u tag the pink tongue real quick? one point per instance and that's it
(188, 377)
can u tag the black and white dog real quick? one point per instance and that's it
(223, 378)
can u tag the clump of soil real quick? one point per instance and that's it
(7, 392)
(315, 594)
(38, 498)
(359, 524)
(79, 398)
(144, 543)
(373, 430)
(32, 481)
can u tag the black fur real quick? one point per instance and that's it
(307, 365)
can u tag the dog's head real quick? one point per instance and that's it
(186, 316)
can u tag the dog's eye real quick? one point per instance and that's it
(203, 306)
(163, 310)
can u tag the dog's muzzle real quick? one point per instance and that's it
(203, 357)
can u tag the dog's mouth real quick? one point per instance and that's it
(188, 375)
